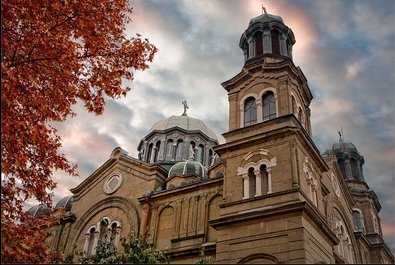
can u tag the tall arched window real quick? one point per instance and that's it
(269, 106)
(169, 150)
(249, 111)
(300, 116)
(252, 182)
(264, 179)
(200, 154)
(354, 170)
(275, 42)
(258, 43)
(157, 149)
(91, 241)
(179, 150)
(293, 104)
(342, 166)
(358, 222)
(150, 147)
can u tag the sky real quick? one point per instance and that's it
(346, 50)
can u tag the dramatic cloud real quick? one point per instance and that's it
(344, 48)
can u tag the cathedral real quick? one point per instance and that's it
(266, 195)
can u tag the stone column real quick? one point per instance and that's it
(86, 245)
(258, 183)
(269, 180)
(283, 45)
(246, 186)
(348, 167)
(162, 149)
(152, 158)
(117, 236)
(259, 110)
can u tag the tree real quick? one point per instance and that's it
(203, 259)
(54, 52)
(135, 250)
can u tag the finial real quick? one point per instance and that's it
(185, 108)
(340, 136)
(263, 9)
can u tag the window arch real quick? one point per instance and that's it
(150, 147)
(258, 43)
(250, 116)
(301, 116)
(275, 41)
(179, 150)
(293, 104)
(252, 182)
(200, 153)
(358, 221)
(157, 149)
(344, 248)
(269, 106)
(90, 242)
(169, 150)
(264, 179)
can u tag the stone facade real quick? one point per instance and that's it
(267, 195)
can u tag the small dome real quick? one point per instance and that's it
(184, 122)
(65, 203)
(189, 167)
(39, 210)
(264, 18)
(344, 147)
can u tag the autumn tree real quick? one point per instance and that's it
(53, 53)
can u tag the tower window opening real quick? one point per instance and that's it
(252, 182)
(275, 42)
(150, 147)
(258, 43)
(269, 106)
(169, 150)
(293, 102)
(358, 222)
(354, 171)
(179, 150)
(157, 148)
(250, 116)
(200, 154)
(264, 179)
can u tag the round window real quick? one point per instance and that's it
(112, 183)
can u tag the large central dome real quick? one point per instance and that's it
(184, 122)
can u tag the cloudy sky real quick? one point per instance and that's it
(345, 49)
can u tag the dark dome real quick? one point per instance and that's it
(39, 210)
(344, 147)
(65, 203)
(189, 167)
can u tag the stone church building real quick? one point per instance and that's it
(267, 195)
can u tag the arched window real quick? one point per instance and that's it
(358, 222)
(104, 236)
(258, 43)
(264, 179)
(150, 147)
(252, 182)
(91, 242)
(179, 150)
(354, 170)
(342, 166)
(192, 146)
(157, 148)
(249, 111)
(200, 154)
(293, 104)
(300, 116)
(275, 42)
(169, 150)
(269, 106)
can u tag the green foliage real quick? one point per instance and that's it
(136, 250)
(203, 259)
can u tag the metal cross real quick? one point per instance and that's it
(263, 9)
(185, 107)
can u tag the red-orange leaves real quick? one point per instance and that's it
(53, 53)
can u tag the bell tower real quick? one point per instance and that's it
(273, 169)
(269, 85)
